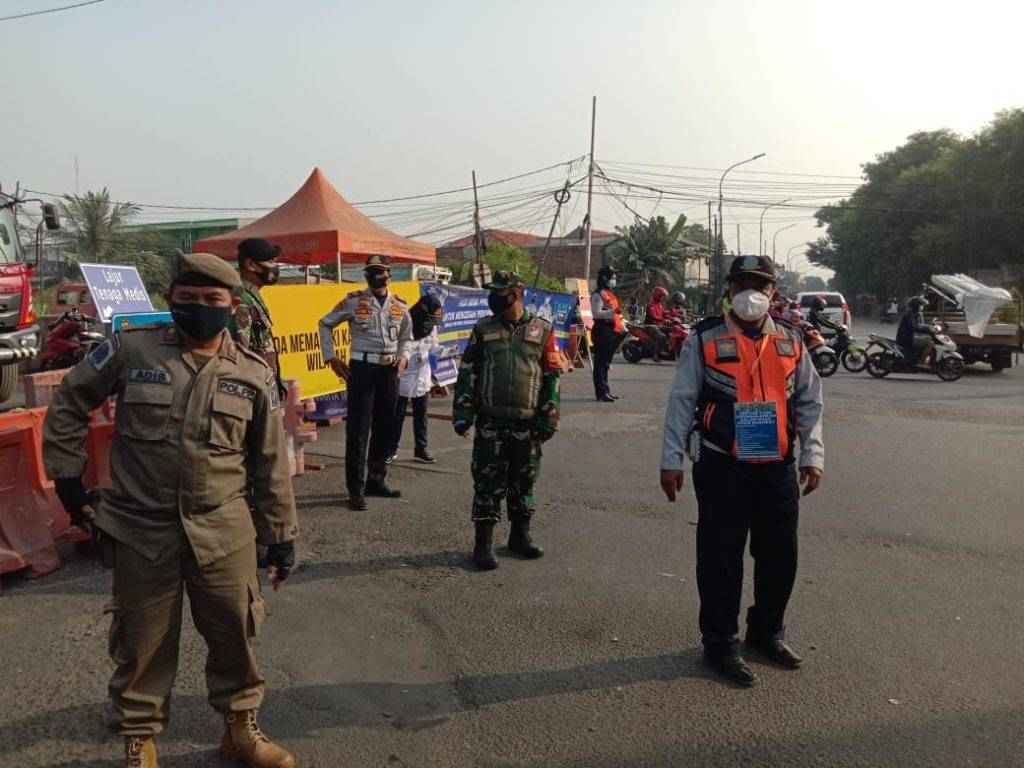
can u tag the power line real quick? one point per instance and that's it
(49, 10)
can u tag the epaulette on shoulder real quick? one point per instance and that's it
(252, 355)
(708, 323)
(354, 295)
(399, 299)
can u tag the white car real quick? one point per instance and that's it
(836, 308)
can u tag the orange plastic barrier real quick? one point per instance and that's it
(31, 515)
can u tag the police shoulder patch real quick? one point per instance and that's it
(103, 354)
(236, 388)
(785, 347)
(726, 350)
(535, 331)
(148, 376)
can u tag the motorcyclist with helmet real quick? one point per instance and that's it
(677, 310)
(914, 336)
(819, 319)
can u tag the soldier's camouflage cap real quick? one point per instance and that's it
(503, 279)
(205, 269)
(378, 262)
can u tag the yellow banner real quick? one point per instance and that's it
(296, 311)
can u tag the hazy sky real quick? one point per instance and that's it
(232, 103)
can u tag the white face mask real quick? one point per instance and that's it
(750, 305)
(612, 283)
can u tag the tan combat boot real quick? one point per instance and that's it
(243, 740)
(139, 752)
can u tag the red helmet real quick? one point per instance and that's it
(658, 294)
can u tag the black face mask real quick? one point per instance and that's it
(499, 303)
(199, 321)
(271, 276)
(377, 279)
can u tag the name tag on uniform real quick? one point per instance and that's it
(757, 431)
(237, 389)
(493, 336)
(148, 376)
(726, 351)
(785, 348)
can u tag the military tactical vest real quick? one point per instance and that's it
(511, 372)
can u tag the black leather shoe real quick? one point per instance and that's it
(606, 399)
(483, 550)
(382, 490)
(732, 667)
(390, 458)
(520, 543)
(357, 503)
(775, 651)
(425, 457)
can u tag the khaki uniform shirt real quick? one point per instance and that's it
(376, 328)
(189, 441)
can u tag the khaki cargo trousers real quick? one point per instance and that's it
(227, 609)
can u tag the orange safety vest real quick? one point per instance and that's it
(611, 300)
(739, 369)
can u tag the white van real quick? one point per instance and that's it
(836, 308)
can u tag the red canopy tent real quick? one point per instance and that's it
(318, 226)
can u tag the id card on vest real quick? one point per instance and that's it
(757, 431)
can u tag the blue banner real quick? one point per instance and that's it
(116, 290)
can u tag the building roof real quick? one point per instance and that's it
(507, 236)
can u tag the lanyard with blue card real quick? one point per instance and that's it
(757, 424)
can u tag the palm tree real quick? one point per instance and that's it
(648, 253)
(95, 221)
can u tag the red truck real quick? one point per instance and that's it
(20, 334)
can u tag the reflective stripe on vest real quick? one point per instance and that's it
(738, 369)
(612, 301)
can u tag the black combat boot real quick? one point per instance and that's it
(519, 540)
(483, 552)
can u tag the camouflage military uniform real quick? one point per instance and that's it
(253, 329)
(508, 388)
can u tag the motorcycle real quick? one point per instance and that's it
(644, 344)
(944, 361)
(825, 359)
(69, 340)
(852, 355)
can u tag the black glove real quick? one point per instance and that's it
(281, 557)
(74, 497)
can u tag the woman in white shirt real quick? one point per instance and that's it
(417, 380)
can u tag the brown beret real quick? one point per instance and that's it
(206, 269)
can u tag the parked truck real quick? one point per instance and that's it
(986, 323)
(20, 333)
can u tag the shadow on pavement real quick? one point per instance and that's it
(303, 711)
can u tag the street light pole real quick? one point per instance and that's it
(789, 257)
(788, 226)
(760, 238)
(719, 248)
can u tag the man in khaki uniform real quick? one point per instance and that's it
(195, 428)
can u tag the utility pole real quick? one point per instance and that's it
(590, 191)
(478, 239)
(709, 247)
(739, 251)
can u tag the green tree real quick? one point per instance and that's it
(95, 224)
(647, 254)
(512, 259)
(938, 203)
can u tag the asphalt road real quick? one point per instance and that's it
(385, 649)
